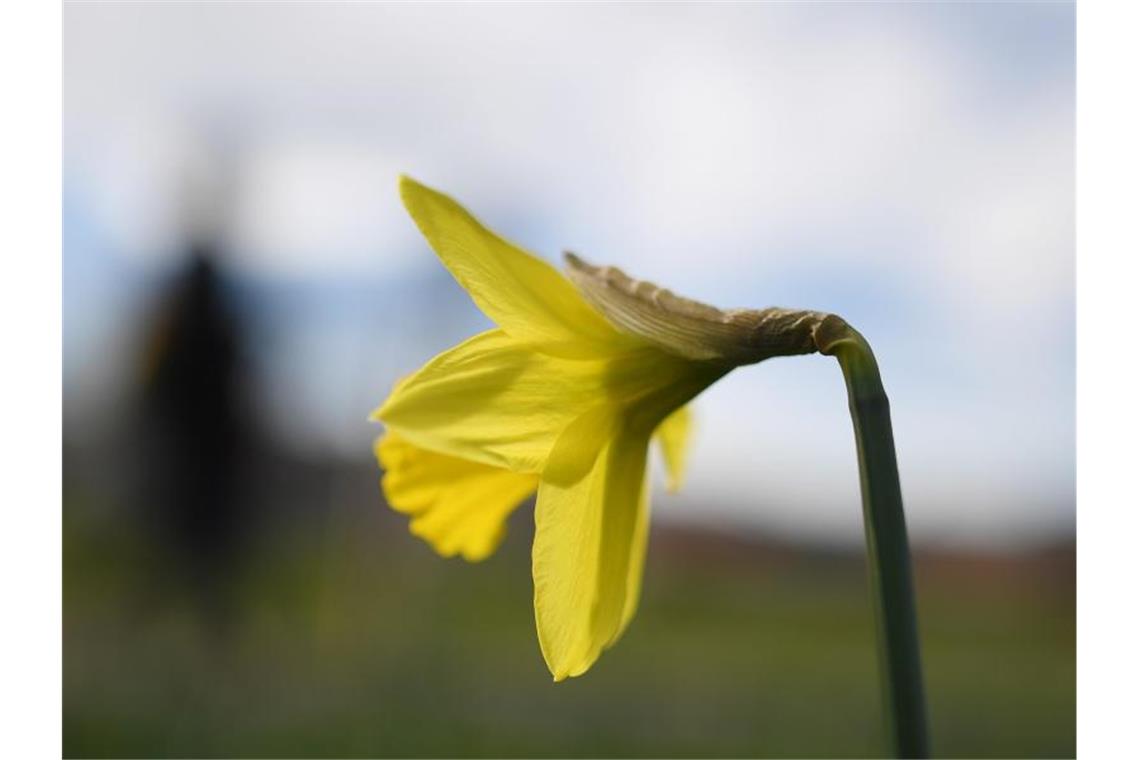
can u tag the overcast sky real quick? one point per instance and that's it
(908, 166)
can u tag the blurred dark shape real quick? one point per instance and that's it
(196, 441)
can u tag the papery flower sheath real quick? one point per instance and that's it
(562, 398)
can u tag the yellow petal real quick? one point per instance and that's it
(523, 294)
(637, 552)
(592, 522)
(673, 436)
(457, 506)
(584, 539)
(497, 401)
(493, 400)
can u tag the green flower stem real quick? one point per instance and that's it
(887, 549)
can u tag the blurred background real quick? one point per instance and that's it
(242, 287)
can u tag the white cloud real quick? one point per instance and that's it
(312, 206)
(674, 136)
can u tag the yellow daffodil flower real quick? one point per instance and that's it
(562, 398)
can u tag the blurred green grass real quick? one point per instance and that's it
(354, 640)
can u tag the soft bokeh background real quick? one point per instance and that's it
(242, 286)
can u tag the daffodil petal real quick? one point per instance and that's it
(673, 436)
(673, 433)
(523, 294)
(637, 551)
(457, 506)
(493, 400)
(585, 536)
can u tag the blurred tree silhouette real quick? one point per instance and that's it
(195, 437)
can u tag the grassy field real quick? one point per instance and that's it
(351, 639)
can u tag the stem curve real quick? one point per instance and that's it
(888, 552)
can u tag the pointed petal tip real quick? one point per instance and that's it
(569, 667)
(412, 190)
(562, 671)
(565, 674)
(406, 187)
